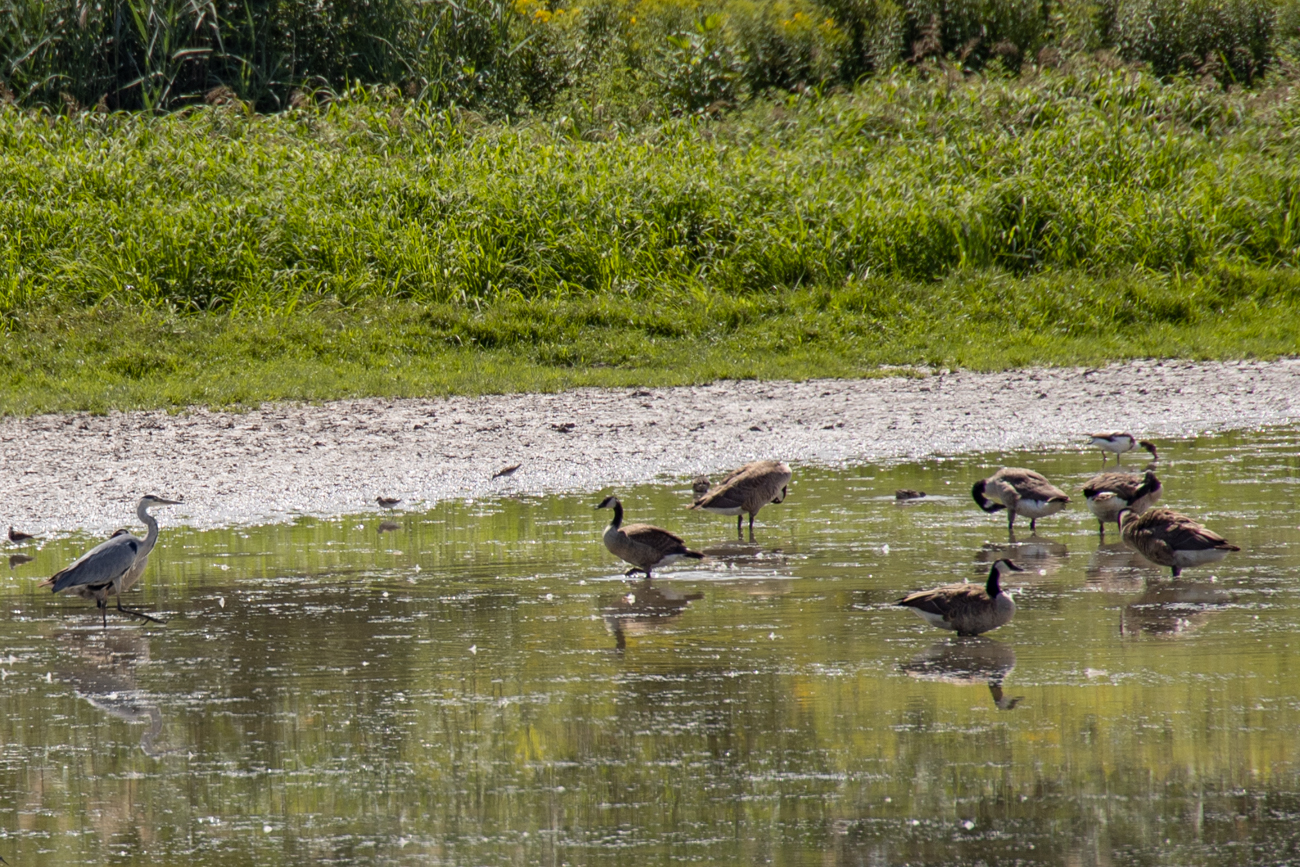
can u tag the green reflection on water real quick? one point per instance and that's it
(454, 690)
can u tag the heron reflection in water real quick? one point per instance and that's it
(968, 662)
(103, 672)
(643, 609)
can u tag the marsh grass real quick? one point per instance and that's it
(377, 245)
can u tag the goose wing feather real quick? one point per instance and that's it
(1121, 484)
(1030, 485)
(947, 601)
(654, 537)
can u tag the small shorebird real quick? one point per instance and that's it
(1116, 443)
(642, 545)
(1020, 492)
(387, 502)
(18, 536)
(506, 472)
(748, 489)
(967, 609)
(1110, 493)
(1169, 538)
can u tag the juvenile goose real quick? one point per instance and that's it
(967, 609)
(1020, 492)
(1110, 493)
(642, 545)
(1168, 538)
(748, 489)
(1116, 443)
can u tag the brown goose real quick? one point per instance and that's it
(748, 489)
(1020, 492)
(1125, 490)
(18, 536)
(967, 609)
(642, 545)
(1168, 538)
(1116, 443)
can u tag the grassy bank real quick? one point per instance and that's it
(375, 245)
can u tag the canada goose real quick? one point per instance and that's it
(1168, 538)
(908, 494)
(642, 545)
(387, 502)
(1020, 492)
(1110, 493)
(748, 489)
(967, 609)
(17, 536)
(1116, 443)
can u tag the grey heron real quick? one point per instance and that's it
(112, 567)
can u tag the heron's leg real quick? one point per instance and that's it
(134, 613)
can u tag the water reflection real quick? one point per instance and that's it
(1172, 608)
(968, 662)
(1114, 567)
(19, 559)
(102, 670)
(643, 609)
(1035, 554)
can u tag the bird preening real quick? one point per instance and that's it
(747, 490)
(112, 567)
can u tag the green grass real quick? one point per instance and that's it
(115, 357)
(375, 246)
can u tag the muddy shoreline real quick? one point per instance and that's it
(70, 472)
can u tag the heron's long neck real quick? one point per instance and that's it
(152, 536)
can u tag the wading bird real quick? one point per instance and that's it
(18, 536)
(747, 490)
(1116, 443)
(967, 609)
(642, 545)
(1108, 494)
(1169, 538)
(387, 502)
(1020, 492)
(110, 568)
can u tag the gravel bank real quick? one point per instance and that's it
(68, 472)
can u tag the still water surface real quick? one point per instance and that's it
(480, 685)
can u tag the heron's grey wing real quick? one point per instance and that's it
(100, 565)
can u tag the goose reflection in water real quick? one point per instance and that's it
(1114, 567)
(643, 609)
(1171, 609)
(1037, 555)
(103, 673)
(968, 662)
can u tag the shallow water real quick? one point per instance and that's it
(481, 685)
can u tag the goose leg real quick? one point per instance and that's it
(1011, 520)
(1176, 570)
(739, 534)
(103, 610)
(1033, 525)
(751, 526)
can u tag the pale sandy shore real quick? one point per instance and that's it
(85, 472)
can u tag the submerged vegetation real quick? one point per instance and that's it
(637, 193)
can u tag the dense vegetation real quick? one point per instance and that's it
(626, 56)
(392, 197)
